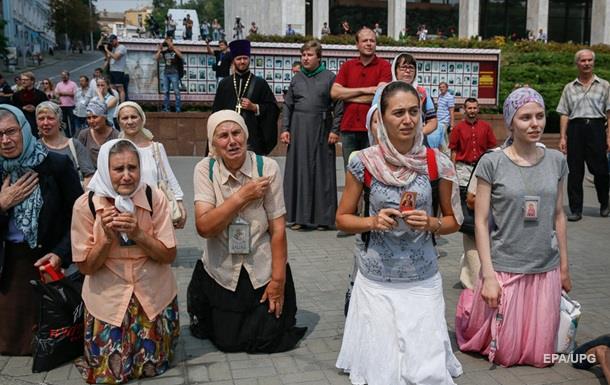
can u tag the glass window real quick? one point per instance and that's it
(503, 18)
(570, 20)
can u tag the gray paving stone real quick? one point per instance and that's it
(197, 373)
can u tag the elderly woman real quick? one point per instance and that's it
(100, 130)
(512, 315)
(123, 242)
(36, 198)
(49, 121)
(155, 164)
(395, 331)
(241, 295)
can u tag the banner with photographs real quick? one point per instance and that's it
(467, 72)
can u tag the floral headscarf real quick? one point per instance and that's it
(517, 99)
(25, 214)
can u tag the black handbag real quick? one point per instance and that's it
(468, 223)
(60, 333)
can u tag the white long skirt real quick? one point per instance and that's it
(395, 333)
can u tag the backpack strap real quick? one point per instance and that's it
(368, 178)
(259, 164)
(432, 166)
(148, 198)
(211, 169)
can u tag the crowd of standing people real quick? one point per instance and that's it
(409, 166)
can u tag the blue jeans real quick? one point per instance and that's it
(215, 35)
(175, 82)
(353, 141)
(437, 137)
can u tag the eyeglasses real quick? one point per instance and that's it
(11, 132)
(406, 68)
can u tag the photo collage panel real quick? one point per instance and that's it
(199, 77)
(462, 77)
(276, 70)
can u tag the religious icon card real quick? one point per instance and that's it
(531, 205)
(408, 201)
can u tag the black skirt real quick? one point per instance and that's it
(19, 303)
(237, 321)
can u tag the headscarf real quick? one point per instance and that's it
(223, 116)
(517, 99)
(25, 214)
(368, 123)
(395, 64)
(149, 135)
(97, 107)
(101, 184)
(55, 109)
(409, 165)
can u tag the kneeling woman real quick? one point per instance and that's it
(241, 295)
(123, 241)
(395, 331)
(512, 316)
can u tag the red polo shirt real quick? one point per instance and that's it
(353, 74)
(471, 140)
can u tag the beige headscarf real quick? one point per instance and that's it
(223, 116)
(149, 135)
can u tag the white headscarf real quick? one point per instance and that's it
(223, 116)
(102, 185)
(149, 135)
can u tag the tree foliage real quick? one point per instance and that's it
(206, 9)
(72, 17)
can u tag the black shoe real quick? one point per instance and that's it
(575, 217)
(604, 211)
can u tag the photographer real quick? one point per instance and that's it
(171, 57)
(222, 64)
(116, 54)
(239, 29)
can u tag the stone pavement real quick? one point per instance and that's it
(321, 262)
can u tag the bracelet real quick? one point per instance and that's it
(440, 224)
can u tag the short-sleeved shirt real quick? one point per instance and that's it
(82, 99)
(471, 140)
(85, 137)
(170, 61)
(120, 64)
(518, 246)
(67, 87)
(577, 101)
(83, 159)
(353, 74)
(128, 270)
(402, 254)
(217, 261)
(446, 102)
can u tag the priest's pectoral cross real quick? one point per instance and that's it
(238, 107)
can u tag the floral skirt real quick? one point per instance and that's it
(138, 348)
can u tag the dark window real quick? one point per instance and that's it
(570, 20)
(503, 18)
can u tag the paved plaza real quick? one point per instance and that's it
(320, 263)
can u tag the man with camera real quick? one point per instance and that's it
(222, 64)
(116, 54)
(172, 57)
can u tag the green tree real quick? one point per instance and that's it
(159, 12)
(208, 10)
(72, 18)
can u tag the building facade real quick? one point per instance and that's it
(27, 25)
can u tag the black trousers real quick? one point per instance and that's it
(587, 144)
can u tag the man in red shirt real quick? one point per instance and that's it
(469, 140)
(355, 85)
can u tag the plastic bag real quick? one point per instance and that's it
(59, 337)
(569, 314)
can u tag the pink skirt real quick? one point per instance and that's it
(522, 330)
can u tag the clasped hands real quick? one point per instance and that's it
(114, 221)
(387, 219)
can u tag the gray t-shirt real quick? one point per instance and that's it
(93, 148)
(119, 65)
(519, 246)
(84, 159)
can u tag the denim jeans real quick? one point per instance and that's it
(175, 82)
(353, 141)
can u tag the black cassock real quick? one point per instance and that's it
(262, 128)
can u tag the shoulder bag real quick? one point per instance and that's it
(163, 185)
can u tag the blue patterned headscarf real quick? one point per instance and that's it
(25, 214)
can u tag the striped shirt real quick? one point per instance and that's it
(446, 102)
(578, 101)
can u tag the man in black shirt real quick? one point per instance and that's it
(171, 57)
(222, 64)
(28, 98)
